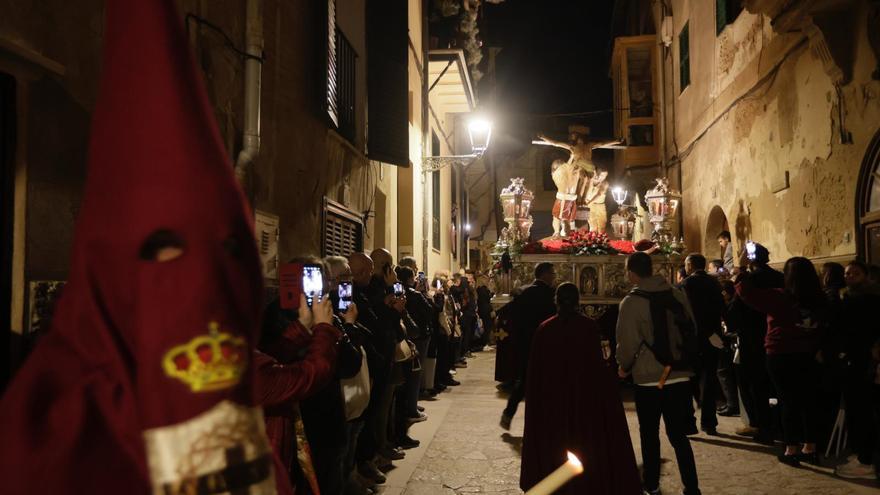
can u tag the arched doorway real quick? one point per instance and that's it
(868, 204)
(716, 223)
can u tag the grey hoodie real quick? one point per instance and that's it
(634, 327)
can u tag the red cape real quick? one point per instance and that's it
(573, 404)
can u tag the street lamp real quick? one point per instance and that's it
(479, 134)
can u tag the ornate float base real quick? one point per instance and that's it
(602, 280)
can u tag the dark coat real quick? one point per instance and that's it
(534, 306)
(707, 303)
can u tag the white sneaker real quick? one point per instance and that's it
(854, 469)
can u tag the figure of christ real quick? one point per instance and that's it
(597, 188)
(580, 151)
(566, 176)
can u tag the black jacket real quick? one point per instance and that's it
(707, 303)
(534, 306)
(422, 313)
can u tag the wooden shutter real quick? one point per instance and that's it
(332, 67)
(343, 231)
(684, 58)
(388, 81)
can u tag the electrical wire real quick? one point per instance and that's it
(226, 39)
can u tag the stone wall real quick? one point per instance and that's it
(760, 140)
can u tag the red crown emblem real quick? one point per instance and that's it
(208, 362)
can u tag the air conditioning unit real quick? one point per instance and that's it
(267, 230)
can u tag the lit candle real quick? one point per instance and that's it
(559, 477)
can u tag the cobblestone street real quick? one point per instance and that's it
(465, 451)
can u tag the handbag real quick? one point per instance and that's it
(356, 390)
(404, 351)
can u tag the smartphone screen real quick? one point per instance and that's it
(750, 250)
(344, 293)
(439, 284)
(312, 283)
(398, 289)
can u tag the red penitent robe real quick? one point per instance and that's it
(573, 404)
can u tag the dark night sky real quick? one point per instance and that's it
(554, 59)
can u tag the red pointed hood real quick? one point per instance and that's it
(144, 379)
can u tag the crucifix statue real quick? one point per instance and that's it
(573, 179)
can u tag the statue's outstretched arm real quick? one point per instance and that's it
(601, 144)
(558, 144)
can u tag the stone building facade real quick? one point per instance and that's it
(769, 121)
(342, 129)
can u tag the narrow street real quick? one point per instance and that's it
(463, 450)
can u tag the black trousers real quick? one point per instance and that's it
(708, 386)
(862, 408)
(796, 377)
(672, 402)
(518, 393)
(754, 386)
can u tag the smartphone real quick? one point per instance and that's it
(398, 289)
(439, 284)
(312, 283)
(750, 250)
(344, 293)
(290, 284)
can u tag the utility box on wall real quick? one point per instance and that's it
(267, 230)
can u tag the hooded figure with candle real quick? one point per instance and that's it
(145, 383)
(573, 404)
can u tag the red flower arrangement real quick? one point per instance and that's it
(623, 246)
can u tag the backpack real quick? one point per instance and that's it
(687, 354)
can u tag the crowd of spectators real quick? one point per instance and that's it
(341, 388)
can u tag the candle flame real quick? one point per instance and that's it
(575, 463)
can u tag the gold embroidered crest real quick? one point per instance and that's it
(208, 362)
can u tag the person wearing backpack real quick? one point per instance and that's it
(657, 344)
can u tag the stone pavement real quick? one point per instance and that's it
(464, 451)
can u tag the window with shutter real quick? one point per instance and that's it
(346, 64)
(343, 230)
(388, 81)
(684, 58)
(332, 72)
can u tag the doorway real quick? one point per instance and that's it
(715, 224)
(868, 204)
(7, 218)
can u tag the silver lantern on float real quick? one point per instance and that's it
(663, 205)
(516, 202)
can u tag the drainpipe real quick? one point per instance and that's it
(426, 133)
(252, 76)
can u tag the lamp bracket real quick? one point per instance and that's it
(435, 163)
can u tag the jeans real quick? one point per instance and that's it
(796, 377)
(671, 402)
(727, 378)
(755, 391)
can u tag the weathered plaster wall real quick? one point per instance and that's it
(789, 123)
